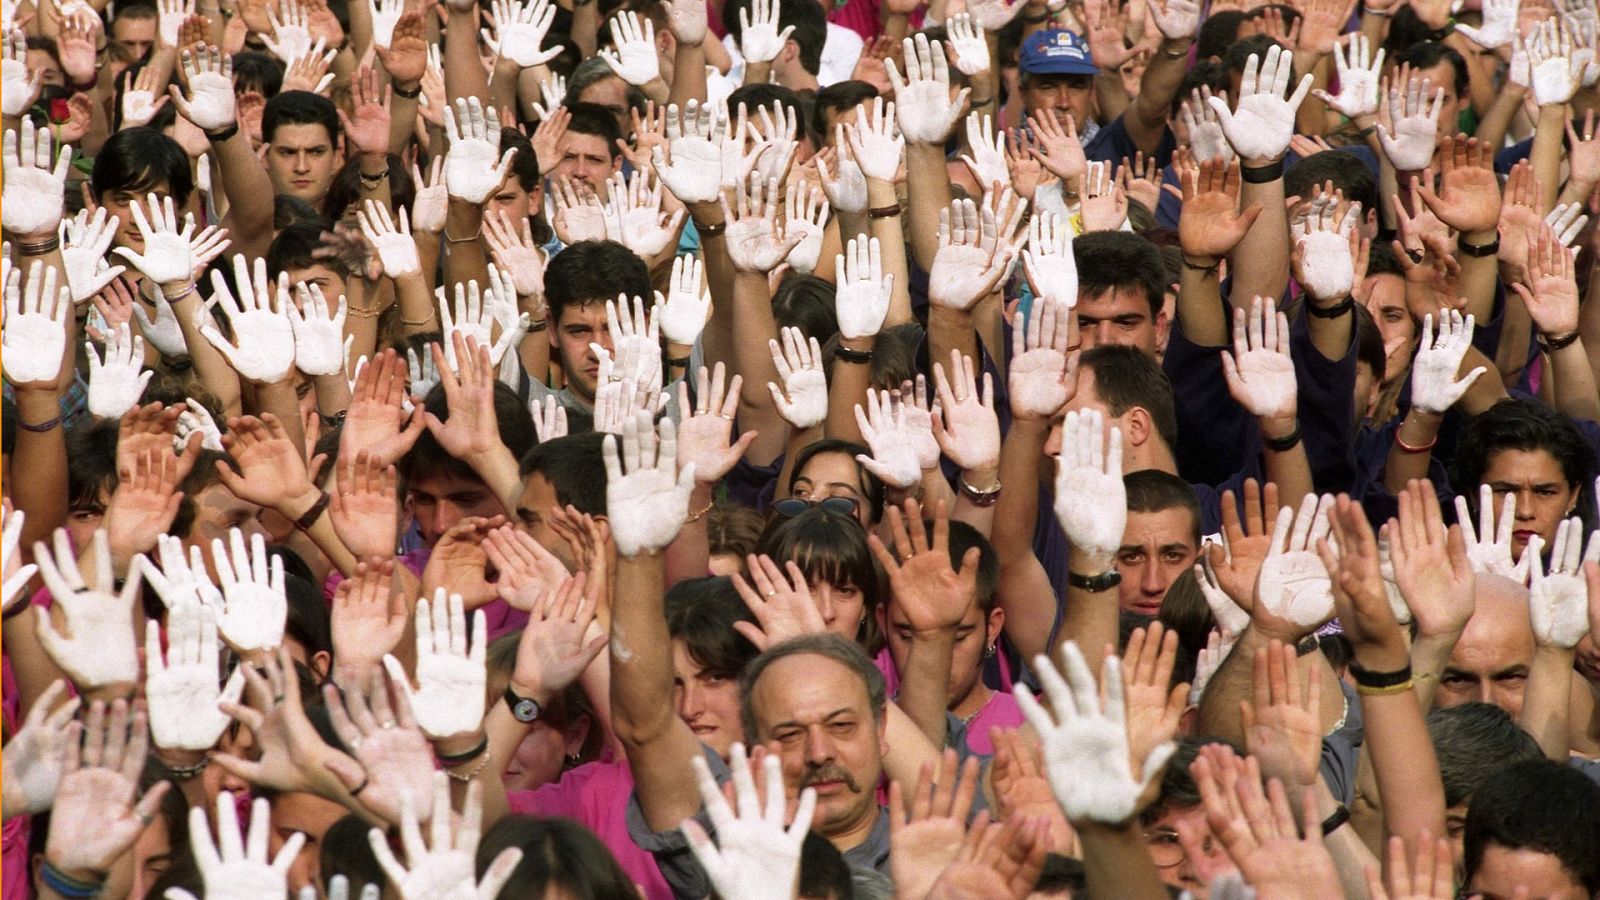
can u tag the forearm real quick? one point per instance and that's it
(1018, 507)
(249, 192)
(1429, 655)
(981, 518)
(892, 244)
(1496, 122)
(1404, 765)
(418, 313)
(688, 73)
(951, 329)
(847, 387)
(1089, 618)
(463, 67)
(1544, 706)
(1201, 314)
(1289, 469)
(213, 369)
(333, 394)
(466, 259)
(753, 326)
(279, 399)
(1546, 153)
(1147, 118)
(1260, 264)
(503, 84)
(1476, 282)
(586, 27)
(1111, 94)
(924, 684)
(928, 192)
(326, 539)
(689, 554)
(31, 666)
(1419, 429)
(42, 494)
(1573, 374)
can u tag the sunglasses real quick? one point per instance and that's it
(789, 507)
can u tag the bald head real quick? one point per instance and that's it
(1490, 661)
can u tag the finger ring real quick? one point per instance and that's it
(725, 416)
(361, 787)
(772, 593)
(146, 819)
(388, 725)
(277, 698)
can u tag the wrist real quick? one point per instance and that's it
(863, 344)
(1382, 656)
(457, 744)
(1091, 560)
(1279, 427)
(529, 690)
(300, 502)
(880, 193)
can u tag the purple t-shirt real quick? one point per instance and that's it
(595, 795)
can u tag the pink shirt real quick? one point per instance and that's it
(595, 795)
(15, 883)
(1001, 711)
(499, 615)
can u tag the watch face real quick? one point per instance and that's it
(525, 710)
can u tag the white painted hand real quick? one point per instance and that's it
(1434, 385)
(1176, 19)
(1086, 751)
(848, 190)
(320, 344)
(1232, 618)
(634, 59)
(966, 427)
(516, 253)
(1358, 78)
(1294, 583)
(236, 866)
(98, 648)
(180, 581)
(172, 256)
(863, 290)
(971, 259)
(474, 166)
(683, 312)
(1261, 127)
(115, 383)
(397, 250)
(1558, 602)
(449, 697)
(993, 15)
(196, 418)
(926, 109)
(1260, 374)
(1051, 268)
(695, 173)
(987, 161)
(385, 15)
(754, 856)
(650, 500)
(444, 870)
(875, 142)
(1493, 555)
(634, 218)
(35, 181)
(33, 754)
(1206, 137)
(432, 203)
(520, 29)
(760, 41)
(968, 43)
(1499, 24)
(255, 603)
(16, 575)
(1415, 125)
(806, 215)
(1326, 251)
(84, 244)
(291, 34)
(888, 432)
(580, 215)
(635, 342)
(1091, 502)
(181, 688)
(756, 241)
(1556, 70)
(35, 336)
(803, 401)
(265, 348)
(211, 104)
(19, 87)
(549, 419)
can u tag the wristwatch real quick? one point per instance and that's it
(1094, 584)
(524, 709)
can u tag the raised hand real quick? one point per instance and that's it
(1555, 69)
(1086, 748)
(1041, 378)
(756, 241)
(1429, 565)
(1499, 26)
(973, 256)
(474, 166)
(1051, 268)
(806, 215)
(1211, 223)
(682, 314)
(375, 422)
(262, 326)
(635, 342)
(393, 761)
(15, 573)
(1357, 582)
(755, 855)
(1470, 196)
(1293, 596)
(561, 638)
(803, 401)
(848, 190)
(444, 869)
(987, 161)
(707, 426)
(967, 42)
(520, 29)
(237, 865)
(33, 754)
(172, 257)
(1057, 148)
(449, 699)
(1358, 78)
(926, 108)
(634, 60)
(366, 621)
(1260, 374)
(97, 647)
(579, 213)
(634, 218)
(1283, 726)
(874, 141)
(1328, 250)
(1493, 554)
(35, 182)
(887, 430)
(928, 828)
(1432, 877)
(21, 86)
(432, 202)
(650, 500)
(211, 104)
(1257, 827)
(967, 429)
(1434, 385)
(1154, 704)
(863, 291)
(1413, 125)
(35, 336)
(1206, 138)
(97, 815)
(695, 173)
(759, 39)
(255, 602)
(320, 343)
(1550, 288)
(781, 603)
(181, 689)
(1105, 203)
(1091, 502)
(1261, 127)
(83, 253)
(1558, 601)
(397, 251)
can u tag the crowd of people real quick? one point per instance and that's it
(801, 448)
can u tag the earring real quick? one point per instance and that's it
(988, 652)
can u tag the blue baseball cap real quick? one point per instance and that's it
(1057, 52)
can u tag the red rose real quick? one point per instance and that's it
(59, 112)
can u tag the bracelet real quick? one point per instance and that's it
(463, 240)
(884, 212)
(1094, 584)
(374, 180)
(707, 229)
(423, 322)
(179, 295)
(1196, 267)
(367, 313)
(17, 608)
(335, 420)
(678, 361)
(975, 102)
(1336, 821)
(1036, 20)
(476, 770)
(535, 327)
(67, 886)
(859, 357)
(222, 134)
(311, 515)
(456, 759)
(184, 773)
(981, 499)
(41, 428)
(701, 514)
(1283, 444)
(1334, 311)
(1178, 54)
(1479, 251)
(411, 94)
(1420, 448)
(1307, 646)
(49, 245)
(1262, 174)
(1371, 679)
(1559, 342)
(1400, 688)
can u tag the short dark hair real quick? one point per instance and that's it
(593, 272)
(346, 850)
(1119, 259)
(1369, 344)
(257, 71)
(202, 476)
(1382, 261)
(1427, 54)
(810, 30)
(1207, 72)
(806, 302)
(594, 119)
(1219, 32)
(1523, 425)
(701, 612)
(823, 871)
(1178, 787)
(1238, 55)
(345, 191)
(1125, 378)
(288, 210)
(573, 466)
(557, 855)
(524, 165)
(756, 97)
(832, 547)
(137, 160)
(300, 108)
(837, 97)
(91, 463)
(1538, 805)
(1344, 169)
(295, 247)
(830, 646)
(964, 537)
(1152, 490)
(1473, 742)
(428, 456)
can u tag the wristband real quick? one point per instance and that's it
(708, 229)
(184, 773)
(39, 248)
(1196, 267)
(67, 886)
(179, 295)
(1420, 448)
(884, 212)
(466, 777)
(222, 134)
(981, 499)
(699, 514)
(1286, 443)
(456, 759)
(859, 357)
(1400, 688)
(1334, 311)
(1370, 679)
(1479, 251)
(1336, 821)
(1036, 19)
(41, 428)
(373, 180)
(411, 94)
(1095, 584)
(1262, 174)
(23, 602)
(1175, 54)
(311, 515)
(677, 360)
(541, 325)
(335, 420)
(1307, 646)
(1558, 342)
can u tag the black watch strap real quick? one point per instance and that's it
(1094, 584)
(523, 709)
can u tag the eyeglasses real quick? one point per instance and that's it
(789, 507)
(1163, 847)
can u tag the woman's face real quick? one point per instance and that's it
(833, 475)
(843, 607)
(1544, 496)
(119, 202)
(707, 703)
(542, 755)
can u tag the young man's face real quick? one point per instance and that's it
(533, 516)
(974, 636)
(302, 161)
(707, 703)
(439, 501)
(1156, 548)
(1544, 497)
(612, 93)
(218, 511)
(586, 158)
(1120, 315)
(1386, 300)
(1066, 94)
(516, 203)
(136, 36)
(580, 325)
(1503, 871)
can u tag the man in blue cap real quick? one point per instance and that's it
(1058, 74)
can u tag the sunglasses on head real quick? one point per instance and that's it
(789, 507)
